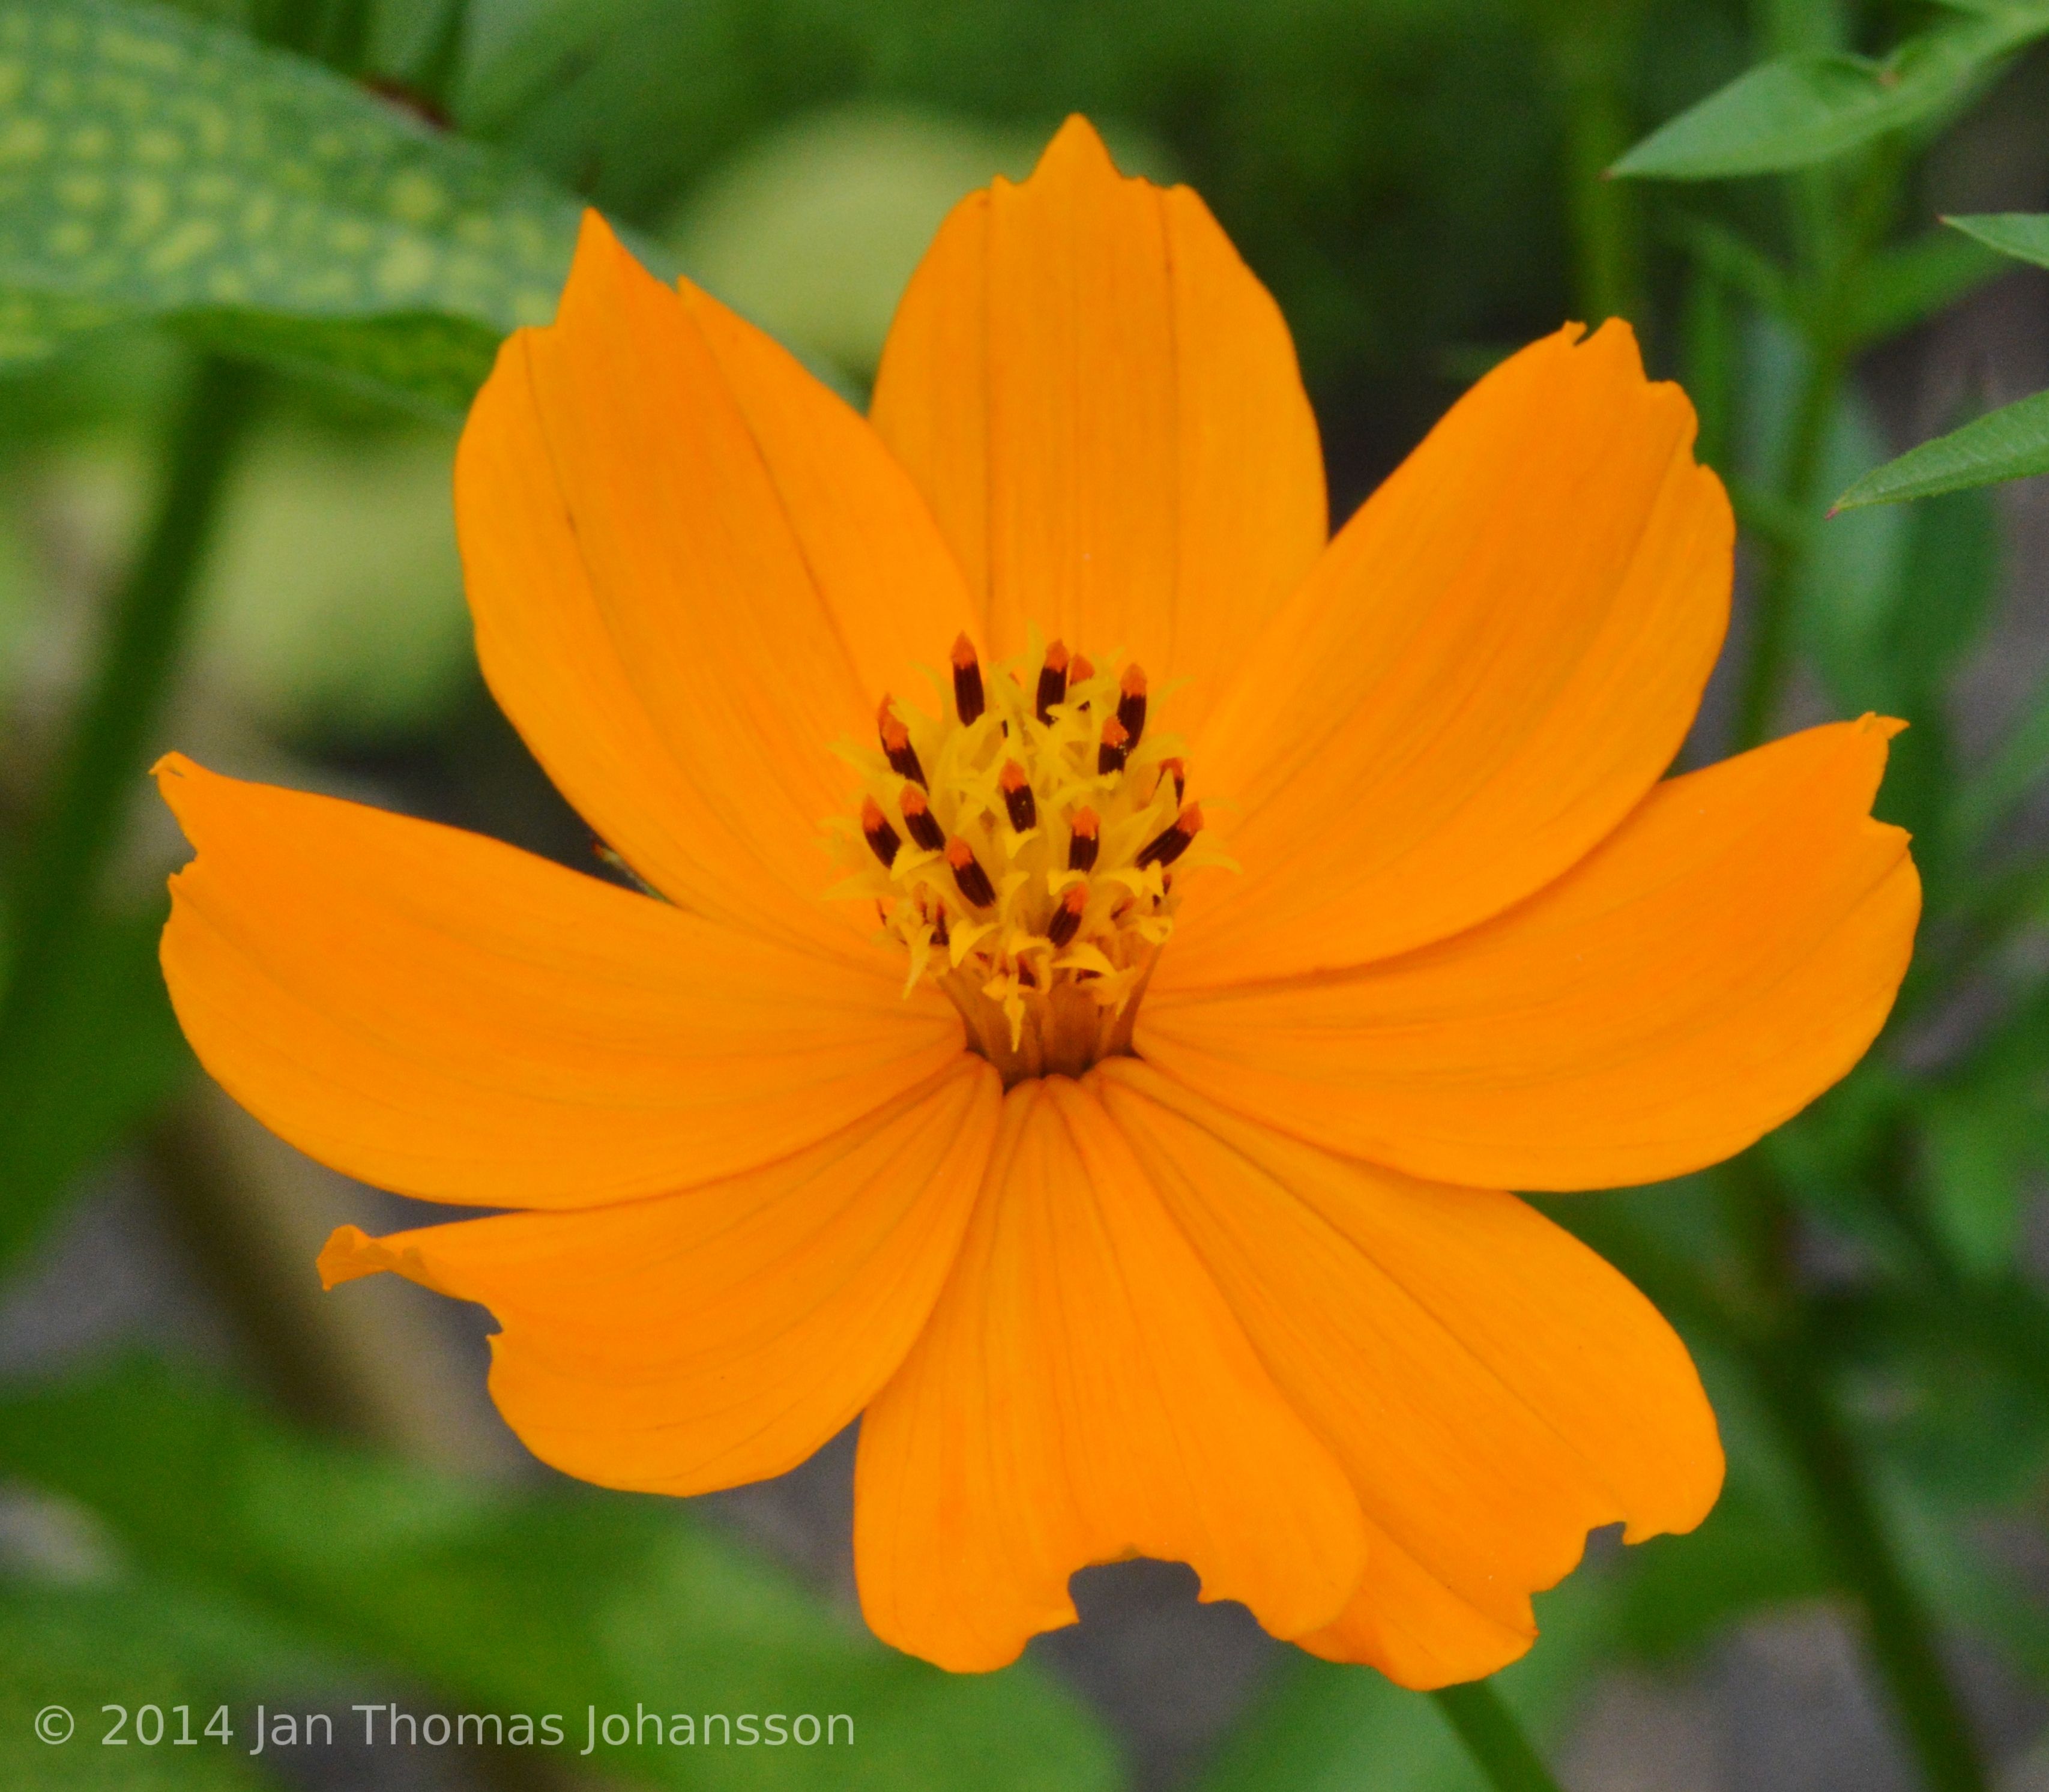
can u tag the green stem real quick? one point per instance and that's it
(1785, 557)
(1786, 1358)
(117, 716)
(1709, 336)
(1591, 42)
(1493, 1738)
(442, 64)
(1898, 1629)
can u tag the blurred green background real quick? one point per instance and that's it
(254, 259)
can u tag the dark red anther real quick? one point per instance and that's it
(1131, 702)
(922, 825)
(1067, 919)
(939, 929)
(1174, 769)
(1084, 840)
(974, 881)
(1115, 749)
(881, 836)
(1018, 797)
(896, 746)
(1169, 845)
(1052, 680)
(969, 701)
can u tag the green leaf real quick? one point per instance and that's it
(545, 1601)
(1803, 109)
(153, 165)
(112, 1054)
(33, 325)
(133, 1641)
(2012, 442)
(2024, 235)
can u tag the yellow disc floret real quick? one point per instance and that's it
(1027, 848)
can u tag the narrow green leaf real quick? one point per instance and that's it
(2012, 442)
(540, 1601)
(153, 165)
(1802, 110)
(2023, 234)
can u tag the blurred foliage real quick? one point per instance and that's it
(514, 1601)
(151, 165)
(363, 198)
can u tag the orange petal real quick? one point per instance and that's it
(700, 1340)
(1496, 658)
(1083, 1394)
(692, 570)
(1103, 405)
(1494, 1390)
(1715, 965)
(439, 1014)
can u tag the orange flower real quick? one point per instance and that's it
(1267, 907)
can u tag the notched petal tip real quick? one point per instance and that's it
(351, 1254)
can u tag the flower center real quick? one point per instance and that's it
(1027, 848)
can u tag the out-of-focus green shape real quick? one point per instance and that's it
(1988, 1141)
(513, 1600)
(813, 232)
(1892, 604)
(1755, 1551)
(1800, 110)
(110, 1056)
(520, 50)
(130, 1643)
(2010, 443)
(323, 630)
(1321, 1726)
(152, 164)
(1907, 284)
(2024, 235)
(2015, 767)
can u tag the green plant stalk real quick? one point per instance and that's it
(67, 855)
(1785, 557)
(1590, 43)
(1898, 1629)
(1783, 1355)
(1841, 225)
(441, 66)
(1493, 1738)
(1710, 363)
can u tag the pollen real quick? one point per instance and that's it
(1041, 808)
